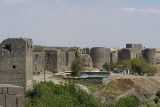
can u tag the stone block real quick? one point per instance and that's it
(0, 90)
(15, 90)
(11, 101)
(2, 100)
(4, 90)
(20, 101)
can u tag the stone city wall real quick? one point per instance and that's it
(11, 95)
(38, 62)
(126, 54)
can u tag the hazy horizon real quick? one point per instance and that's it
(82, 23)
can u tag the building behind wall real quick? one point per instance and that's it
(16, 62)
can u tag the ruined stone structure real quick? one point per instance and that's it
(99, 57)
(11, 95)
(150, 55)
(70, 56)
(126, 54)
(114, 57)
(86, 58)
(137, 47)
(87, 51)
(107, 57)
(38, 62)
(16, 62)
(53, 58)
(56, 60)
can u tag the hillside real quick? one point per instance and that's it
(120, 85)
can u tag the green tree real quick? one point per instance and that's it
(109, 66)
(125, 65)
(77, 67)
(129, 101)
(140, 66)
(38, 48)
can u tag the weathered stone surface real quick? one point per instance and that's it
(0, 90)
(150, 55)
(15, 90)
(107, 57)
(38, 62)
(126, 54)
(114, 57)
(55, 60)
(2, 100)
(11, 101)
(137, 48)
(70, 56)
(12, 94)
(16, 62)
(98, 56)
(20, 101)
(85, 58)
(4, 90)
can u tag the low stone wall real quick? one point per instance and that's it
(93, 80)
(11, 95)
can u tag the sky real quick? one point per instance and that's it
(83, 23)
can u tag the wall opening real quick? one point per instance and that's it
(14, 67)
(6, 49)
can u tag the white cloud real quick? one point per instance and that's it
(141, 10)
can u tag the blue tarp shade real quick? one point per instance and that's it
(86, 75)
(106, 75)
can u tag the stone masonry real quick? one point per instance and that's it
(11, 95)
(150, 55)
(57, 60)
(126, 54)
(16, 62)
(38, 62)
(137, 47)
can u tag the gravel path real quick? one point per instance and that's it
(49, 77)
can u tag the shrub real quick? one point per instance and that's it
(156, 100)
(158, 93)
(109, 66)
(48, 94)
(150, 104)
(77, 67)
(129, 101)
(38, 48)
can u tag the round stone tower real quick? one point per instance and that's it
(150, 55)
(98, 56)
